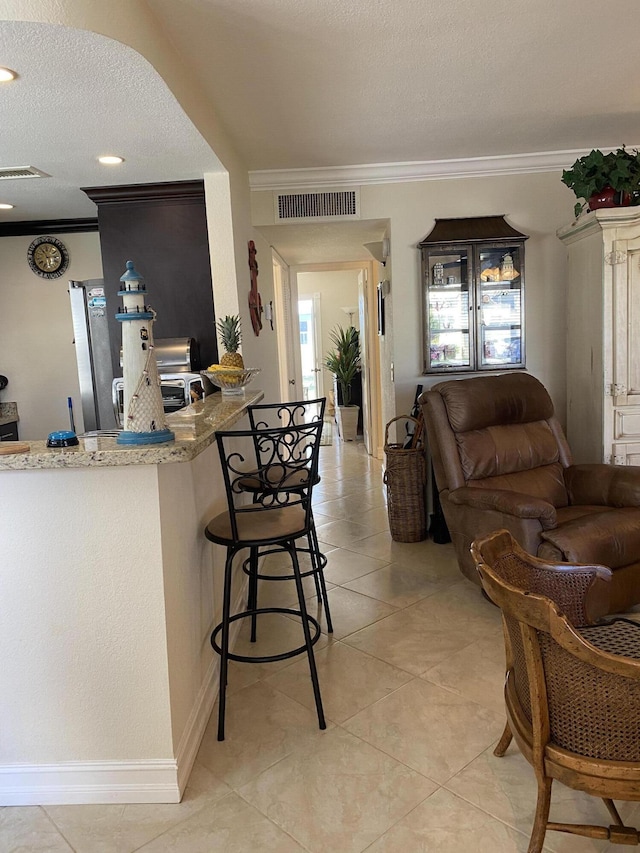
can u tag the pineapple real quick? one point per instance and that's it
(230, 337)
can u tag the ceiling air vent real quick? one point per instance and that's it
(327, 205)
(8, 173)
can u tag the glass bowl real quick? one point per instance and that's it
(232, 380)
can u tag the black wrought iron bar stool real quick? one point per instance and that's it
(279, 515)
(266, 416)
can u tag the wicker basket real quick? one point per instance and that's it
(405, 478)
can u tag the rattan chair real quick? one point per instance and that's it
(278, 515)
(264, 416)
(572, 689)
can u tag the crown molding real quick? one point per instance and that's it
(428, 170)
(47, 226)
(169, 191)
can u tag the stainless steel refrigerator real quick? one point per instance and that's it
(93, 353)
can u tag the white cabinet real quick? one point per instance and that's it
(603, 336)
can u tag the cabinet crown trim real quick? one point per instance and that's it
(597, 220)
(169, 191)
(472, 229)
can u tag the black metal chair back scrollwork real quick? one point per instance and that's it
(268, 416)
(263, 417)
(285, 468)
(272, 415)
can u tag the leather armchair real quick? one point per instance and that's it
(501, 460)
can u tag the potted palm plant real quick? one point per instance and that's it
(604, 180)
(344, 362)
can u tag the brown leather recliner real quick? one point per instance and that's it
(501, 460)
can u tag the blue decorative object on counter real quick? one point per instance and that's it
(158, 436)
(62, 438)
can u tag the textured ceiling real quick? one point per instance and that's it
(80, 95)
(304, 83)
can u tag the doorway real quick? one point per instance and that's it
(304, 248)
(287, 342)
(310, 324)
(337, 295)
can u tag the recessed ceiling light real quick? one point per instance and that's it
(111, 160)
(4, 206)
(6, 75)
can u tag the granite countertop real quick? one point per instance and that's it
(194, 428)
(8, 413)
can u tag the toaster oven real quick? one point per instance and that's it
(178, 391)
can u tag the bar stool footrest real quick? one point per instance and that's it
(267, 658)
(322, 559)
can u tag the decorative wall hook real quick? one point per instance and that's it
(255, 302)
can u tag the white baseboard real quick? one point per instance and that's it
(74, 782)
(93, 782)
(197, 723)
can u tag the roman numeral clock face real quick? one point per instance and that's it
(48, 257)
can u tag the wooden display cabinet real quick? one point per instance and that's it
(473, 295)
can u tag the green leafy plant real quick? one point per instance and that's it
(590, 174)
(344, 360)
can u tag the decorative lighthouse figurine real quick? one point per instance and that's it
(144, 417)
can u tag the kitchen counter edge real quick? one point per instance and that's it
(194, 427)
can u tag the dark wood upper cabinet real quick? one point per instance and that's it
(162, 228)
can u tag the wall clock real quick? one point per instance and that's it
(48, 257)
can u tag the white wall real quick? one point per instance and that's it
(36, 334)
(260, 350)
(534, 204)
(230, 229)
(82, 626)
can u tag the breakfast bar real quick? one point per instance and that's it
(108, 595)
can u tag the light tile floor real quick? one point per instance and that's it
(411, 683)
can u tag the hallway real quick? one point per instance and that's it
(411, 685)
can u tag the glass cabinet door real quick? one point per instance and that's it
(450, 346)
(499, 306)
(473, 291)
